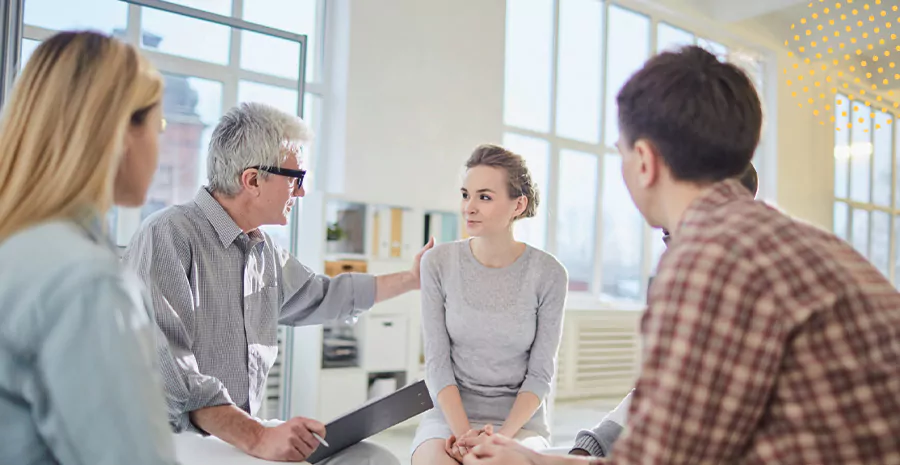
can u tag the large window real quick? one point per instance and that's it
(866, 203)
(565, 62)
(208, 68)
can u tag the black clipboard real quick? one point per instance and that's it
(372, 418)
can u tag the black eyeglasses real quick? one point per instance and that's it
(296, 174)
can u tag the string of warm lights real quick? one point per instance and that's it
(842, 51)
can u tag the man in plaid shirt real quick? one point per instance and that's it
(766, 340)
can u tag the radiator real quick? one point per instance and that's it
(599, 355)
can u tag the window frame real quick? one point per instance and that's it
(128, 220)
(11, 24)
(754, 54)
(870, 207)
(230, 75)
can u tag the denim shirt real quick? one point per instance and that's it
(79, 381)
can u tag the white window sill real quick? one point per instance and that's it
(583, 301)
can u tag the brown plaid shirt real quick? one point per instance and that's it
(766, 340)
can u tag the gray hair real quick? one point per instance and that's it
(251, 134)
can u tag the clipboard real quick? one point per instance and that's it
(372, 418)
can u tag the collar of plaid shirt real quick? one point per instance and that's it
(714, 196)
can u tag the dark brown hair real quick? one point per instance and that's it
(519, 182)
(703, 116)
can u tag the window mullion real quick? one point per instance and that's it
(553, 175)
(597, 286)
(892, 243)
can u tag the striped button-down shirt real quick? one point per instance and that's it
(219, 294)
(766, 340)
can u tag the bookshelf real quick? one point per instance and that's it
(336, 367)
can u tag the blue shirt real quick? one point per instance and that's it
(79, 382)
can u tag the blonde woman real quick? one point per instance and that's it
(492, 314)
(78, 377)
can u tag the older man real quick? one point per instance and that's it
(220, 287)
(766, 340)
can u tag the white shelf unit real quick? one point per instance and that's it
(389, 342)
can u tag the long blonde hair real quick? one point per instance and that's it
(62, 130)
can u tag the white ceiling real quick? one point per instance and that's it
(742, 10)
(873, 38)
(774, 18)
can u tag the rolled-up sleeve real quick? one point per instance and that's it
(545, 348)
(162, 261)
(309, 298)
(438, 363)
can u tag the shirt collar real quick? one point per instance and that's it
(92, 222)
(221, 221)
(716, 195)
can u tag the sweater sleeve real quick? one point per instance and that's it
(544, 350)
(438, 365)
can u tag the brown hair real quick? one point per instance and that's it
(703, 116)
(519, 182)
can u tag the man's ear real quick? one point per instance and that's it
(250, 180)
(650, 162)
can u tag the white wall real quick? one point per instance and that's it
(424, 87)
(421, 83)
(805, 161)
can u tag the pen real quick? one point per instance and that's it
(319, 438)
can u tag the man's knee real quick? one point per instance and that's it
(364, 453)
